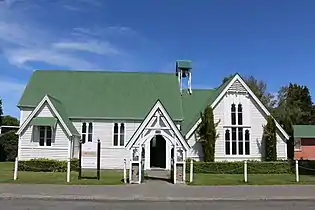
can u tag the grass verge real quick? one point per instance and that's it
(253, 179)
(108, 177)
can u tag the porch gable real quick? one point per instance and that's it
(158, 122)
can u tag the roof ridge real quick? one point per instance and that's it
(104, 71)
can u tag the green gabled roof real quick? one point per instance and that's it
(304, 131)
(195, 103)
(101, 94)
(62, 112)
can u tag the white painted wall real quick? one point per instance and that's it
(112, 157)
(29, 144)
(252, 116)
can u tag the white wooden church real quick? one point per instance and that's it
(137, 116)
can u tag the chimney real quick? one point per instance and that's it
(183, 73)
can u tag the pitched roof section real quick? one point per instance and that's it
(194, 104)
(56, 107)
(100, 94)
(304, 131)
(65, 118)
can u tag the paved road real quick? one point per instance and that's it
(136, 205)
(157, 191)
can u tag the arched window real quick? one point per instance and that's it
(240, 141)
(240, 114)
(90, 132)
(116, 134)
(227, 142)
(247, 142)
(119, 134)
(233, 114)
(83, 132)
(234, 140)
(122, 134)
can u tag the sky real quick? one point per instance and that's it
(273, 41)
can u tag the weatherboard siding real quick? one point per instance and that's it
(252, 116)
(112, 157)
(29, 143)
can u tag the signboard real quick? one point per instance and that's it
(89, 155)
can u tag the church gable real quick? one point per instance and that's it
(157, 122)
(237, 87)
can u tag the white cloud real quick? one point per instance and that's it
(93, 46)
(28, 41)
(20, 57)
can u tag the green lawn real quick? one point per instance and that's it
(253, 179)
(108, 177)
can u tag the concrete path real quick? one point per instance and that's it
(157, 191)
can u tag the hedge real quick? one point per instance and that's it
(307, 167)
(47, 165)
(237, 167)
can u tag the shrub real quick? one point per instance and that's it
(47, 165)
(270, 140)
(237, 167)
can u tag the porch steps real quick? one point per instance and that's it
(157, 174)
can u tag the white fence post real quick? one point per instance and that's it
(297, 171)
(191, 171)
(125, 172)
(245, 171)
(16, 168)
(68, 169)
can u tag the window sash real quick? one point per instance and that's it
(87, 132)
(45, 136)
(237, 143)
(119, 134)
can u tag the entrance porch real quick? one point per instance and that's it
(157, 144)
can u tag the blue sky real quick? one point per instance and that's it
(271, 40)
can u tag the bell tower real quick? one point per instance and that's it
(183, 73)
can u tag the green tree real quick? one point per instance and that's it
(8, 146)
(1, 112)
(9, 120)
(270, 140)
(294, 101)
(207, 134)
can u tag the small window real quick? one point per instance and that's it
(247, 142)
(233, 114)
(240, 114)
(297, 144)
(116, 134)
(227, 142)
(90, 134)
(122, 134)
(45, 136)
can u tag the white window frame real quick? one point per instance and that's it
(298, 144)
(230, 126)
(45, 136)
(119, 134)
(86, 133)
